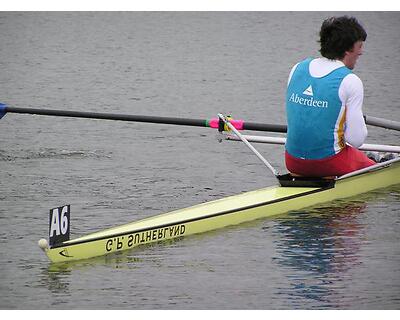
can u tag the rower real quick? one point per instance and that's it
(324, 105)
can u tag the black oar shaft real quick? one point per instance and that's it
(108, 116)
(265, 127)
(139, 118)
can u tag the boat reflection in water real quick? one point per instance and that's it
(316, 249)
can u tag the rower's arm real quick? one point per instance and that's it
(353, 92)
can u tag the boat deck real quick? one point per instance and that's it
(222, 206)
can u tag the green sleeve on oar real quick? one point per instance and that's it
(3, 110)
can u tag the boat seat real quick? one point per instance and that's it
(294, 180)
(301, 176)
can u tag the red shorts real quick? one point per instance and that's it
(347, 160)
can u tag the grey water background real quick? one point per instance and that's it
(341, 255)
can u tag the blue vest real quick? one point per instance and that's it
(315, 116)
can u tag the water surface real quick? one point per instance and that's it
(341, 255)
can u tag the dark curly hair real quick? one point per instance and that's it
(338, 35)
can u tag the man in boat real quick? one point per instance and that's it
(324, 105)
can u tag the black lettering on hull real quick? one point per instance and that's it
(146, 236)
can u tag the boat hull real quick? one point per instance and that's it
(218, 214)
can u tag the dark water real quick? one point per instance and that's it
(342, 255)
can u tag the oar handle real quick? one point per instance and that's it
(383, 123)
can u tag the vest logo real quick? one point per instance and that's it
(308, 91)
(311, 102)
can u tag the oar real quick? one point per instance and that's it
(212, 123)
(383, 123)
